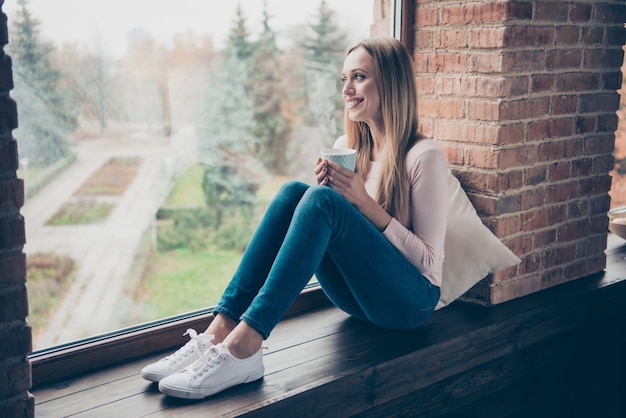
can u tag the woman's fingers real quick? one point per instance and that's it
(320, 171)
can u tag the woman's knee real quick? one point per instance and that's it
(293, 188)
(320, 194)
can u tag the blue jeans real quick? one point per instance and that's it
(313, 230)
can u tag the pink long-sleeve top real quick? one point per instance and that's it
(421, 239)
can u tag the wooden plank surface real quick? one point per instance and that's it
(319, 359)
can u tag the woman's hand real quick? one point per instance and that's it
(352, 187)
(320, 171)
(345, 182)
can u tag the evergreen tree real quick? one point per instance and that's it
(46, 121)
(324, 46)
(226, 139)
(269, 126)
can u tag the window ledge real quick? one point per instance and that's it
(322, 360)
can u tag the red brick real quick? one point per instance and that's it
(567, 35)
(574, 147)
(577, 209)
(525, 109)
(13, 268)
(535, 175)
(600, 204)
(559, 171)
(533, 198)
(451, 38)
(511, 134)
(599, 144)
(582, 167)
(425, 39)
(487, 37)
(528, 36)
(558, 256)
(550, 129)
(462, 14)
(484, 110)
(603, 58)
(564, 59)
(8, 153)
(572, 231)
(592, 35)
(615, 36)
(608, 122)
(543, 239)
(591, 246)
(15, 377)
(6, 75)
(504, 226)
(11, 193)
(451, 62)
(14, 306)
(551, 151)
(577, 81)
(442, 108)
(523, 61)
(556, 193)
(12, 232)
(454, 154)
(22, 406)
(486, 63)
(551, 11)
(426, 16)
(612, 80)
(459, 130)
(580, 12)
(603, 164)
(521, 245)
(610, 13)
(424, 85)
(8, 115)
(585, 124)
(16, 341)
(501, 159)
(505, 274)
(564, 104)
(542, 83)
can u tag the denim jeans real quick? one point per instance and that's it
(310, 230)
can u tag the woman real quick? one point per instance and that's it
(374, 238)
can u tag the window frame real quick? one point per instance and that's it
(104, 350)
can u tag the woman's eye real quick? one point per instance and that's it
(359, 77)
(344, 79)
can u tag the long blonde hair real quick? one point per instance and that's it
(398, 101)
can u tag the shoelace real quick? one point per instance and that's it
(191, 345)
(209, 360)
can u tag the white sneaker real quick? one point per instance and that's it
(182, 358)
(214, 372)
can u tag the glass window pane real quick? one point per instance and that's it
(152, 136)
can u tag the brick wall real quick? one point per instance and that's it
(522, 95)
(15, 333)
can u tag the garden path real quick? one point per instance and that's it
(103, 252)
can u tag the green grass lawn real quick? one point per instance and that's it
(188, 189)
(181, 281)
(184, 280)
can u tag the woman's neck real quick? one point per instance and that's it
(378, 143)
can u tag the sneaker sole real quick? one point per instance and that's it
(189, 393)
(154, 376)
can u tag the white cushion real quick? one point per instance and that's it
(472, 251)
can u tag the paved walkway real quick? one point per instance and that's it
(103, 253)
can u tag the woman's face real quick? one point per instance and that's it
(360, 88)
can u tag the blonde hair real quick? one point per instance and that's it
(398, 101)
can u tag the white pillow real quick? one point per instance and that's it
(472, 250)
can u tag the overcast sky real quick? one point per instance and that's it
(85, 20)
